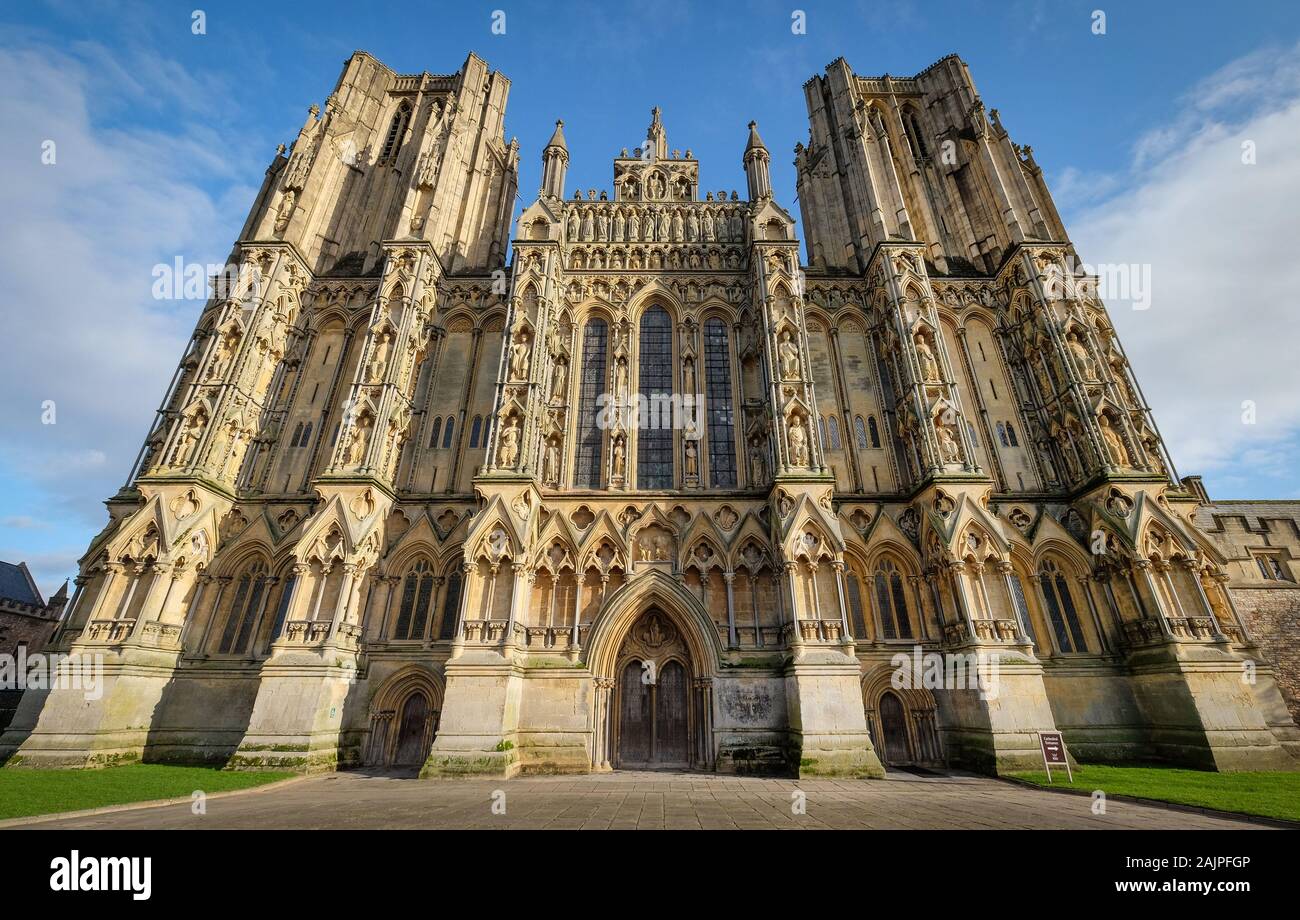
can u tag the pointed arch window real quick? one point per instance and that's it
(1060, 608)
(244, 610)
(589, 452)
(874, 430)
(396, 131)
(1011, 436)
(450, 607)
(855, 605)
(860, 432)
(654, 451)
(296, 440)
(447, 432)
(1002, 435)
(475, 431)
(722, 420)
(437, 430)
(891, 598)
(1022, 608)
(833, 429)
(417, 594)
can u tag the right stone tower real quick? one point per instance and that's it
(981, 422)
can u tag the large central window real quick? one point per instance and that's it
(722, 421)
(595, 342)
(654, 459)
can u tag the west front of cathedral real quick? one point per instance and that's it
(652, 493)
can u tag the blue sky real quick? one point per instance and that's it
(163, 136)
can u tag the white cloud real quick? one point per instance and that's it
(1220, 238)
(140, 177)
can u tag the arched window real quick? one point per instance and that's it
(833, 428)
(417, 594)
(589, 452)
(396, 131)
(891, 598)
(296, 440)
(855, 605)
(282, 608)
(821, 426)
(306, 436)
(974, 438)
(860, 432)
(1060, 608)
(244, 609)
(1002, 435)
(450, 607)
(654, 451)
(437, 430)
(1011, 435)
(722, 421)
(1022, 608)
(447, 431)
(475, 431)
(875, 431)
(914, 136)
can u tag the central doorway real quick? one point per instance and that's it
(653, 712)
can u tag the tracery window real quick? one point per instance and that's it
(417, 594)
(244, 609)
(1022, 608)
(855, 605)
(590, 447)
(1002, 435)
(396, 131)
(437, 430)
(891, 598)
(722, 420)
(450, 607)
(1060, 608)
(1011, 435)
(654, 457)
(860, 432)
(875, 431)
(475, 431)
(833, 429)
(447, 432)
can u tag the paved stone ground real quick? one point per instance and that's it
(648, 801)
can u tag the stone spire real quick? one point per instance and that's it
(656, 137)
(555, 163)
(757, 163)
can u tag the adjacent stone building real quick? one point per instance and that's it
(27, 622)
(653, 493)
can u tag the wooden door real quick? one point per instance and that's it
(893, 728)
(636, 722)
(670, 716)
(411, 733)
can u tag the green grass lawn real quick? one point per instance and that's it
(1274, 795)
(40, 792)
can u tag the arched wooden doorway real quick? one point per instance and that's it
(893, 730)
(404, 719)
(414, 731)
(654, 715)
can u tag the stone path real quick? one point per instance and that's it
(648, 801)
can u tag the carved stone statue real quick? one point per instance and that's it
(519, 352)
(602, 226)
(620, 456)
(692, 460)
(573, 224)
(789, 354)
(948, 447)
(508, 454)
(798, 441)
(379, 358)
(587, 229)
(1114, 443)
(757, 461)
(929, 367)
(559, 381)
(678, 226)
(692, 227)
(619, 225)
(551, 463)
(1081, 356)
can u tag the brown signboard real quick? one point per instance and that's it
(1053, 747)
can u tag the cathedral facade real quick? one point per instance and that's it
(653, 493)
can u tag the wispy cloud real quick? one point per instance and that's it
(1216, 350)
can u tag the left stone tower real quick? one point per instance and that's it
(282, 435)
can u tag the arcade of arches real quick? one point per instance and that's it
(652, 493)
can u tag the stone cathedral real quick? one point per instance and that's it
(621, 484)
